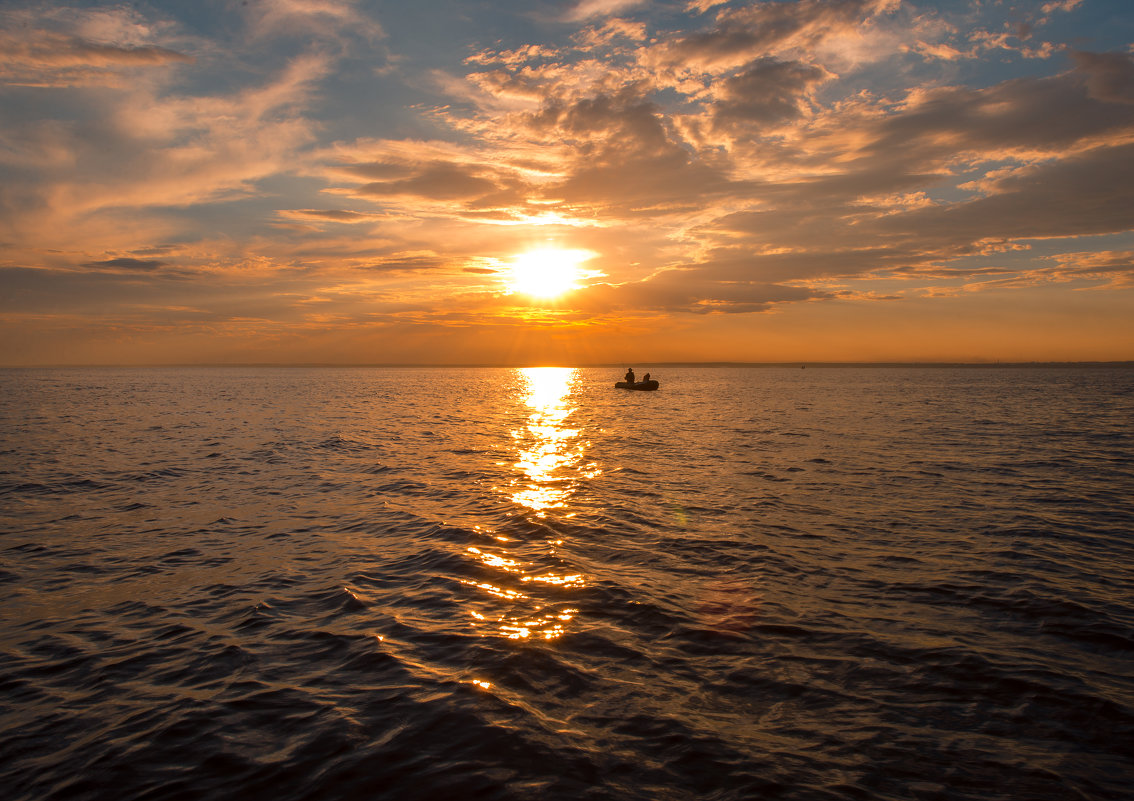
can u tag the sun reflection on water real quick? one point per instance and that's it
(551, 456)
(546, 471)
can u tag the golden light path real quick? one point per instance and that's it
(550, 452)
(550, 461)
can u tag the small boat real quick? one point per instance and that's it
(642, 385)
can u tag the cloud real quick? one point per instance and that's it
(689, 290)
(1060, 5)
(620, 153)
(54, 48)
(586, 9)
(1116, 267)
(1088, 194)
(436, 181)
(701, 6)
(767, 29)
(446, 176)
(141, 149)
(1109, 76)
(610, 32)
(126, 263)
(324, 19)
(766, 93)
(330, 215)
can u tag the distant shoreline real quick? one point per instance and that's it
(603, 365)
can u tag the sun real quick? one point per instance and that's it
(548, 273)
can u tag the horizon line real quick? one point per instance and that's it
(521, 365)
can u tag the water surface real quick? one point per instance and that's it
(513, 584)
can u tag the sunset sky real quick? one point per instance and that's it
(277, 181)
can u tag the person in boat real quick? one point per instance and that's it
(646, 378)
(629, 376)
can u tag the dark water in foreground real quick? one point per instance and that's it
(505, 584)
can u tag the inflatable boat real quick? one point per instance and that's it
(642, 385)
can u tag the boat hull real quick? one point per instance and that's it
(644, 386)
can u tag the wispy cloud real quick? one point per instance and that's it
(320, 19)
(343, 216)
(56, 47)
(142, 151)
(587, 9)
(126, 263)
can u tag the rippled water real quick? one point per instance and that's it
(520, 584)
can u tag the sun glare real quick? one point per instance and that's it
(548, 273)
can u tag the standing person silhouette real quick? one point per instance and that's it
(630, 376)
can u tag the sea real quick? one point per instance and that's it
(433, 583)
